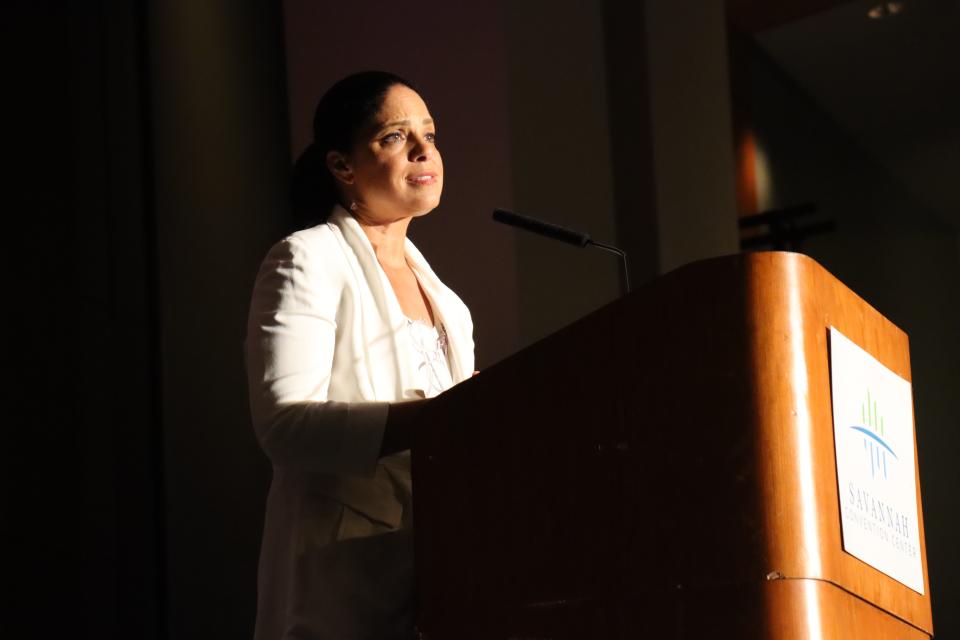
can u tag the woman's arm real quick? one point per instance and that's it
(402, 421)
(291, 336)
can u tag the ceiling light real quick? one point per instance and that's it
(885, 10)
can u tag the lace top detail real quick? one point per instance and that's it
(430, 349)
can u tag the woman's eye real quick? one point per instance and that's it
(390, 138)
(431, 137)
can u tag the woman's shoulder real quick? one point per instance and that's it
(319, 244)
(312, 258)
(323, 235)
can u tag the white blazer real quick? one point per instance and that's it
(324, 358)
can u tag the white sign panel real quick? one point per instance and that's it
(873, 432)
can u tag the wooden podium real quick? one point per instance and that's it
(662, 468)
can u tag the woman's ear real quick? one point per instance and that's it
(339, 167)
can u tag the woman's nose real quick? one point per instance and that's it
(422, 149)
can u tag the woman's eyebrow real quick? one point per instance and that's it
(404, 123)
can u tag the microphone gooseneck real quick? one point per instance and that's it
(562, 234)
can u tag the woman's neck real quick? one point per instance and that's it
(388, 240)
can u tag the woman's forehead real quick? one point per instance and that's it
(402, 103)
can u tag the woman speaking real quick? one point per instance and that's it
(350, 331)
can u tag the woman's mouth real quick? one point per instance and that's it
(422, 178)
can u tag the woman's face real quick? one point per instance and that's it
(395, 170)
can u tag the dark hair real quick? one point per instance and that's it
(343, 111)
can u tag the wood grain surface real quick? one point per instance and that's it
(663, 463)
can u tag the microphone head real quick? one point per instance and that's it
(542, 228)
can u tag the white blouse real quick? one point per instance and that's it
(429, 344)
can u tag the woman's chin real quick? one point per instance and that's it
(389, 208)
(423, 206)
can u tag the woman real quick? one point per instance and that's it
(349, 331)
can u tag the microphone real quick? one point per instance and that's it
(542, 228)
(562, 234)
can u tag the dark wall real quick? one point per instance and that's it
(220, 173)
(151, 160)
(82, 519)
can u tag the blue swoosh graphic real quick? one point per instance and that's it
(871, 434)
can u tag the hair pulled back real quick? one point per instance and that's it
(343, 112)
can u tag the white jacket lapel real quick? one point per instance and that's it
(383, 325)
(389, 357)
(450, 312)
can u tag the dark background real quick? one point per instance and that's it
(148, 157)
